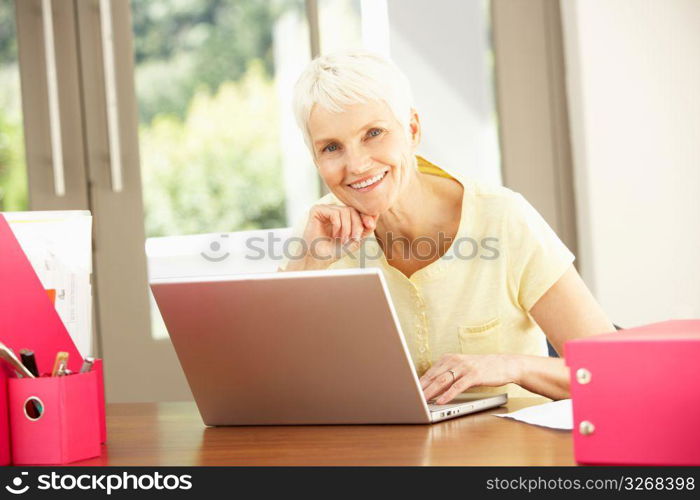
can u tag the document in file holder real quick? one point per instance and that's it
(58, 244)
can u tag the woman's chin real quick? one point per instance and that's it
(372, 207)
(367, 207)
(373, 203)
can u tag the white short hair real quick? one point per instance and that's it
(335, 81)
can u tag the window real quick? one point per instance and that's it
(13, 175)
(212, 120)
(220, 150)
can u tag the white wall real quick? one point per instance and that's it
(633, 82)
(444, 49)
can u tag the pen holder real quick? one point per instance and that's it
(99, 375)
(4, 424)
(54, 420)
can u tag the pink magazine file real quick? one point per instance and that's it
(635, 395)
(65, 429)
(29, 320)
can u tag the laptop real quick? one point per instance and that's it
(306, 347)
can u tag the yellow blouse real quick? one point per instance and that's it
(476, 297)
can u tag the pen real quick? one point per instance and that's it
(9, 356)
(60, 365)
(87, 365)
(29, 361)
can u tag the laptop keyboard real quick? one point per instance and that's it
(434, 407)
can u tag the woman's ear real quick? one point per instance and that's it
(414, 129)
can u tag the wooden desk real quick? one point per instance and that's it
(162, 434)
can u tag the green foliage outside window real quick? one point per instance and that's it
(219, 168)
(208, 116)
(210, 153)
(13, 176)
(13, 181)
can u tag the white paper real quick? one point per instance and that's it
(59, 246)
(555, 415)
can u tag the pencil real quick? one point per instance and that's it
(60, 365)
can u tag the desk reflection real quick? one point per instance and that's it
(172, 434)
(477, 439)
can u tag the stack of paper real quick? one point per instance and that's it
(59, 246)
(555, 415)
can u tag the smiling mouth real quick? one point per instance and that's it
(369, 182)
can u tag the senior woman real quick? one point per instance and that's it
(478, 278)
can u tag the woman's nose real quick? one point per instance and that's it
(358, 163)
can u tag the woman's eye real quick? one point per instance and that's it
(333, 147)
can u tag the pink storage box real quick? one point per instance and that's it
(67, 429)
(635, 395)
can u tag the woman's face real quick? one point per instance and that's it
(363, 154)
